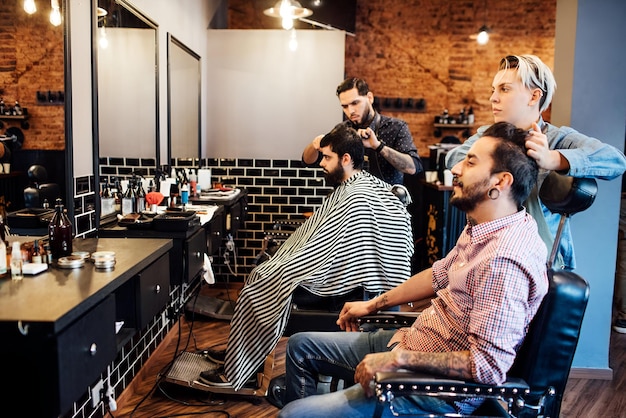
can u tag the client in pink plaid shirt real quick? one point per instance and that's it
(485, 293)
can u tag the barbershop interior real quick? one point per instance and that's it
(152, 165)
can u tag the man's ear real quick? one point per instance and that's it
(370, 97)
(536, 96)
(346, 160)
(505, 180)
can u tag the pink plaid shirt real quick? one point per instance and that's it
(489, 287)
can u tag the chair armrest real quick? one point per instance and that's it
(388, 319)
(412, 383)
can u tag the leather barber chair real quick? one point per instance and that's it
(536, 382)
(39, 190)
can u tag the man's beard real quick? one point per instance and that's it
(472, 196)
(335, 177)
(366, 119)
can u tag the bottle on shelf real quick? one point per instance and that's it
(2, 107)
(17, 109)
(193, 182)
(117, 195)
(470, 116)
(129, 200)
(36, 258)
(141, 196)
(16, 261)
(60, 233)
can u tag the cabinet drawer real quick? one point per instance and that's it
(153, 293)
(215, 232)
(195, 247)
(84, 350)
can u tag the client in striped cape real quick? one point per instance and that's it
(360, 236)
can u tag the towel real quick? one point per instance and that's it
(360, 236)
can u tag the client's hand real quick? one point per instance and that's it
(350, 313)
(366, 370)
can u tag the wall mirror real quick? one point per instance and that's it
(127, 91)
(183, 98)
(33, 73)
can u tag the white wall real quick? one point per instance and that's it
(267, 101)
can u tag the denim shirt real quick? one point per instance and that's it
(588, 157)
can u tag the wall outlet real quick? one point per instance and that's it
(96, 392)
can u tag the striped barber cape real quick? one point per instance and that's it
(360, 236)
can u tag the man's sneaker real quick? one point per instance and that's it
(214, 377)
(620, 326)
(215, 356)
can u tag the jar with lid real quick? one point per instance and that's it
(60, 232)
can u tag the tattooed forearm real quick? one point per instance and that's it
(452, 364)
(381, 302)
(402, 162)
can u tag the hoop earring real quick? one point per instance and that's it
(491, 191)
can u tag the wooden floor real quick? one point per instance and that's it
(150, 396)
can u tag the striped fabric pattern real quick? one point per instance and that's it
(361, 236)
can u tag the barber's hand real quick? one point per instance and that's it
(350, 313)
(316, 142)
(538, 149)
(371, 364)
(369, 138)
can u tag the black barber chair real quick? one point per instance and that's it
(39, 190)
(536, 382)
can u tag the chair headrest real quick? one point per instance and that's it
(37, 173)
(567, 195)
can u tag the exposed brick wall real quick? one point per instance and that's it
(31, 60)
(422, 49)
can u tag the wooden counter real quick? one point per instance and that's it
(59, 327)
(58, 296)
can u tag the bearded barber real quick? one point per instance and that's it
(388, 143)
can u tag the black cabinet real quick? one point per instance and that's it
(186, 256)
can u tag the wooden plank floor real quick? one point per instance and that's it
(144, 398)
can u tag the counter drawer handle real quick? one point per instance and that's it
(93, 349)
(158, 288)
(217, 233)
(198, 254)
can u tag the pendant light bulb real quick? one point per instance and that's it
(287, 23)
(30, 7)
(483, 36)
(55, 14)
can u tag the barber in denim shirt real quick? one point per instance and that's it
(521, 90)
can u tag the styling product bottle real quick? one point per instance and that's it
(193, 182)
(16, 261)
(60, 233)
(36, 252)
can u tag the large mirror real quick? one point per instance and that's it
(127, 83)
(183, 94)
(33, 75)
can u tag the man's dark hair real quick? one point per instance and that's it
(510, 156)
(345, 140)
(353, 82)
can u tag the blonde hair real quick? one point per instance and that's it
(534, 74)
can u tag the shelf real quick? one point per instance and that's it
(452, 125)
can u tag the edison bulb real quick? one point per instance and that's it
(287, 23)
(482, 38)
(30, 7)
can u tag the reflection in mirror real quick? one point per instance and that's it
(183, 93)
(127, 74)
(32, 75)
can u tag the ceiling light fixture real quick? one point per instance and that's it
(55, 14)
(483, 35)
(30, 7)
(288, 11)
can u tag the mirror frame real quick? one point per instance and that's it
(69, 143)
(95, 108)
(172, 40)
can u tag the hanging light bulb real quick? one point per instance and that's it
(483, 35)
(288, 11)
(55, 14)
(30, 7)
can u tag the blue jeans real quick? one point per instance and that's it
(337, 354)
